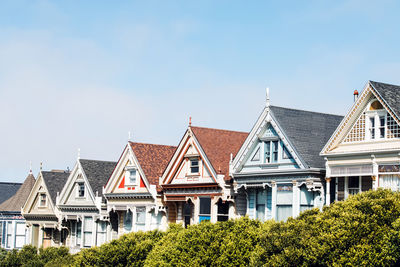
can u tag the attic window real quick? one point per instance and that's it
(81, 189)
(42, 200)
(376, 105)
(131, 176)
(194, 166)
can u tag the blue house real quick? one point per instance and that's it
(278, 171)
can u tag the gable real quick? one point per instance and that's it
(189, 164)
(119, 181)
(72, 193)
(267, 151)
(33, 204)
(369, 121)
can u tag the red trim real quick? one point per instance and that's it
(122, 184)
(142, 183)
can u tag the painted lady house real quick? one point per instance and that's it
(40, 210)
(13, 230)
(83, 210)
(364, 151)
(133, 192)
(278, 171)
(196, 184)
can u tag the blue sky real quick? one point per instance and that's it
(81, 74)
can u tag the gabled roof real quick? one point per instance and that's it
(153, 159)
(7, 190)
(390, 94)
(218, 145)
(307, 131)
(17, 201)
(55, 181)
(97, 172)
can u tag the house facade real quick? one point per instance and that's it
(41, 213)
(133, 193)
(196, 183)
(83, 210)
(278, 171)
(13, 231)
(364, 151)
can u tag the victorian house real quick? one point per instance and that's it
(83, 210)
(196, 183)
(133, 193)
(13, 231)
(364, 151)
(40, 210)
(278, 171)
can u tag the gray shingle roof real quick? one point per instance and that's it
(16, 202)
(307, 131)
(55, 181)
(97, 173)
(7, 190)
(390, 94)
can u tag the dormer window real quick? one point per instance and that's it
(131, 178)
(81, 189)
(42, 202)
(194, 166)
(271, 151)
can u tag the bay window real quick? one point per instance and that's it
(87, 231)
(205, 209)
(141, 219)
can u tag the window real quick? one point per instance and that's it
(101, 232)
(10, 230)
(78, 233)
(194, 166)
(20, 235)
(223, 211)
(271, 151)
(87, 231)
(261, 200)
(42, 200)
(132, 176)
(187, 213)
(381, 126)
(205, 209)
(372, 127)
(306, 198)
(128, 221)
(141, 219)
(81, 189)
(354, 185)
(284, 201)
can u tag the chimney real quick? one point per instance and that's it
(355, 95)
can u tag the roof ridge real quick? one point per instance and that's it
(309, 111)
(142, 143)
(384, 83)
(208, 128)
(98, 160)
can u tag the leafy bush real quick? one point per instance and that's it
(363, 230)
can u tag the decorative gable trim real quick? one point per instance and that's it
(38, 187)
(353, 115)
(179, 155)
(69, 186)
(263, 120)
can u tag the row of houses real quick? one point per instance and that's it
(290, 161)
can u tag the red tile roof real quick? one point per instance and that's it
(218, 146)
(153, 159)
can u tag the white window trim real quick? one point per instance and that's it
(78, 189)
(40, 200)
(190, 166)
(127, 176)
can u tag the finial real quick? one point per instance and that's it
(79, 153)
(267, 100)
(129, 136)
(30, 167)
(41, 166)
(219, 169)
(190, 121)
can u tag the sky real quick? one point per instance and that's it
(82, 74)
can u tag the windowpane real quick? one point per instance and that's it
(194, 165)
(88, 226)
(140, 219)
(267, 152)
(205, 206)
(128, 221)
(283, 212)
(81, 189)
(372, 127)
(78, 233)
(42, 200)
(274, 151)
(132, 176)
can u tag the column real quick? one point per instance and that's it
(328, 191)
(296, 200)
(346, 187)
(149, 214)
(94, 232)
(374, 182)
(274, 191)
(214, 209)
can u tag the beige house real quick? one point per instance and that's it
(364, 151)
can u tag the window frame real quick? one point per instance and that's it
(191, 160)
(128, 180)
(42, 197)
(79, 190)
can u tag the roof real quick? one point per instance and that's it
(153, 159)
(55, 181)
(390, 94)
(17, 201)
(97, 172)
(307, 131)
(219, 145)
(7, 190)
